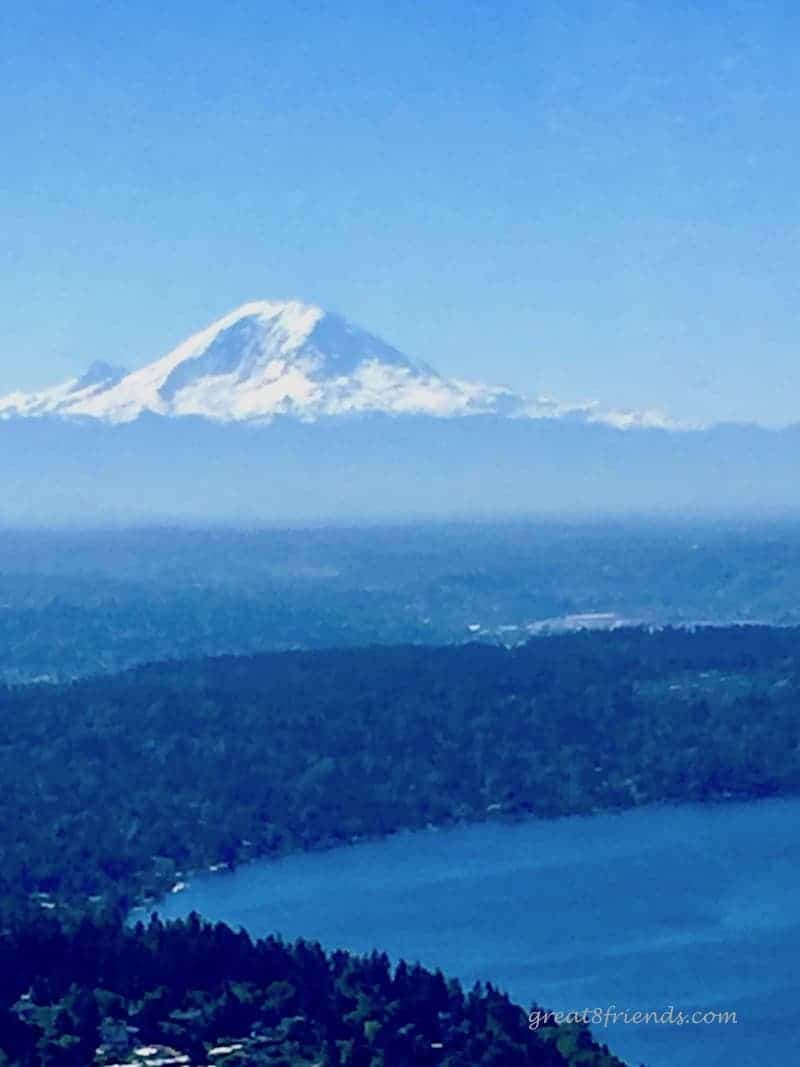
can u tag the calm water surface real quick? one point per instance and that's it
(696, 907)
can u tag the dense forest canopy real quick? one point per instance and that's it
(114, 786)
(192, 993)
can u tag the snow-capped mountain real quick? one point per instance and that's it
(304, 418)
(288, 358)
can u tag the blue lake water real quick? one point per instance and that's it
(696, 907)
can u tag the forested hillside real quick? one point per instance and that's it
(191, 993)
(117, 786)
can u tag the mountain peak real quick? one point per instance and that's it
(268, 358)
(294, 317)
(285, 357)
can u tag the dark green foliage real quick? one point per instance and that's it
(115, 785)
(190, 986)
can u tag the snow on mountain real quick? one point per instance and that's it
(98, 379)
(287, 358)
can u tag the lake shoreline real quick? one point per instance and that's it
(186, 879)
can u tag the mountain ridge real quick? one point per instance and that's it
(270, 358)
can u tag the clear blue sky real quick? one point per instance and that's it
(590, 199)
